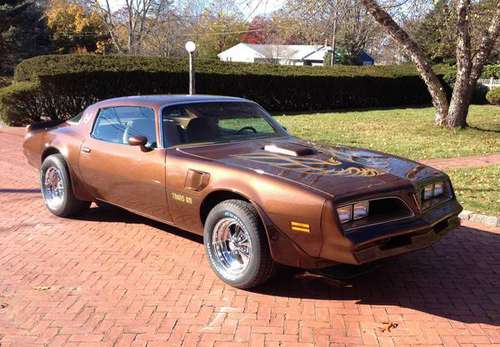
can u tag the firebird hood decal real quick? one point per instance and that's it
(337, 171)
(306, 165)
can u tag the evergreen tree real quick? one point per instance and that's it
(23, 32)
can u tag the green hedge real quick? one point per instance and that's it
(69, 82)
(478, 95)
(66, 64)
(24, 103)
(18, 105)
(493, 96)
(491, 71)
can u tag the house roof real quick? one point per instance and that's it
(363, 56)
(292, 52)
(318, 54)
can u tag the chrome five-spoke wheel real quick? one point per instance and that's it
(56, 188)
(236, 244)
(232, 247)
(53, 187)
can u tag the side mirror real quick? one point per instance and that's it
(137, 140)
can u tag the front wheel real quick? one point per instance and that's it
(236, 244)
(56, 188)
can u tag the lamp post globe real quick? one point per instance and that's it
(190, 46)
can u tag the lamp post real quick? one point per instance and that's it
(190, 48)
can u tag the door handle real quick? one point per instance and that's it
(85, 149)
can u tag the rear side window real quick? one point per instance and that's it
(76, 119)
(117, 124)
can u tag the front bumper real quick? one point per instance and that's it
(406, 242)
(371, 243)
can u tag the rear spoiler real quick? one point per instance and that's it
(44, 125)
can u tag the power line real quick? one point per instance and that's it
(97, 34)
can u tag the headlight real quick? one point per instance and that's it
(353, 212)
(438, 188)
(345, 213)
(433, 190)
(428, 191)
(360, 210)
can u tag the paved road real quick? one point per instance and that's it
(113, 279)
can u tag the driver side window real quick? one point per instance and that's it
(117, 124)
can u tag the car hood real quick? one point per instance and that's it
(335, 170)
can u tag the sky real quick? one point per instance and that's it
(266, 6)
(249, 8)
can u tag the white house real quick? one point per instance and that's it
(281, 54)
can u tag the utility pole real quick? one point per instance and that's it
(334, 37)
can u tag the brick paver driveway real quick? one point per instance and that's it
(110, 278)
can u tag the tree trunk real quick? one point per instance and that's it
(462, 93)
(459, 105)
(424, 66)
(107, 17)
(469, 71)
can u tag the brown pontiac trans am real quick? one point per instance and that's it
(223, 168)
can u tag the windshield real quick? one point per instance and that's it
(217, 122)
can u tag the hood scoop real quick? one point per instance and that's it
(291, 149)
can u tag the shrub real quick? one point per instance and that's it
(73, 81)
(25, 103)
(478, 95)
(493, 96)
(16, 103)
(30, 69)
(491, 71)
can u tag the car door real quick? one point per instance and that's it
(132, 177)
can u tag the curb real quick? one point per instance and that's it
(490, 221)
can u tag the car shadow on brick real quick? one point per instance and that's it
(20, 191)
(109, 213)
(458, 278)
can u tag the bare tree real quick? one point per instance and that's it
(137, 17)
(469, 63)
(111, 26)
(165, 39)
(342, 22)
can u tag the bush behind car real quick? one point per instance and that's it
(493, 96)
(62, 85)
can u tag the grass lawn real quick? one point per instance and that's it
(478, 189)
(409, 132)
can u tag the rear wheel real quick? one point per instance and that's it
(236, 244)
(56, 188)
